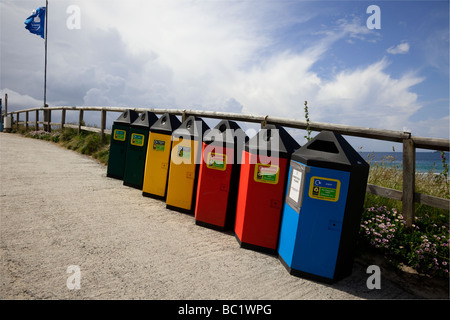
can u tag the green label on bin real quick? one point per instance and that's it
(119, 134)
(184, 152)
(137, 139)
(266, 173)
(159, 145)
(324, 189)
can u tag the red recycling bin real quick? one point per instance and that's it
(219, 176)
(265, 162)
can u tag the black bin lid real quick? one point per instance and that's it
(193, 127)
(127, 117)
(329, 150)
(226, 133)
(272, 138)
(145, 120)
(166, 124)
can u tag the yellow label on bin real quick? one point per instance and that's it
(266, 173)
(119, 135)
(137, 139)
(217, 161)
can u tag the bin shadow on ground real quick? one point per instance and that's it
(394, 284)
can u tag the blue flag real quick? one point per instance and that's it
(36, 22)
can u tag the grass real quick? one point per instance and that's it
(390, 176)
(425, 247)
(88, 143)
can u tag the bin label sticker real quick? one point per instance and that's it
(324, 189)
(159, 145)
(119, 135)
(266, 173)
(184, 152)
(296, 180)
(216, 161)
(137, 139)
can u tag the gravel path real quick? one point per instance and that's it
(58, 209)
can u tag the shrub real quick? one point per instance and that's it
(424, 248)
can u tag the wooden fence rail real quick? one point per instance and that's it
(410, 143)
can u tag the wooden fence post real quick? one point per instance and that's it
(264, 122)
(37, 120)
(409, 178)
(49, 119)
(103, 124)
(80, 120)
(17, 121)
(63, 118)
(46, 115)
(26, 121)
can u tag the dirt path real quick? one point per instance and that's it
(59, 209)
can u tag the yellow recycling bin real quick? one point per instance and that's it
(185, 164)
(158, 156)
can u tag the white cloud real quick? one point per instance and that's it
(17, 101)
(401, 48)
(369, 97)
(215, 55)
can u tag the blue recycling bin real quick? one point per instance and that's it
(322, 211)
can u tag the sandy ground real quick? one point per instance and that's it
(59, 209)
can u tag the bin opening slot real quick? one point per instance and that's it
(222, 128)
(324, 146)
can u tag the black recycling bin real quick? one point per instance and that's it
(322, 211)
(119, 143)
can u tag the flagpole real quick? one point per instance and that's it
(46, 112)
(45, 71)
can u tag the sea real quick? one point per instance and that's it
(425, 161)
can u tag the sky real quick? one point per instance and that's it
(386, 69)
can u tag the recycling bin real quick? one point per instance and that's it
(185, 164)
(265, 162)
(219, 176)
(137, 149)
(119, 142)
(159, 150)
(322, 211)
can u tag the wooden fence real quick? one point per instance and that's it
(407, 196)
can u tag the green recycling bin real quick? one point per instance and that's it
(119, 142)
(137, 150)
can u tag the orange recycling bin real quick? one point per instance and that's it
(185, 164)
(265, 162)
(158, 156)
(219, 176)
